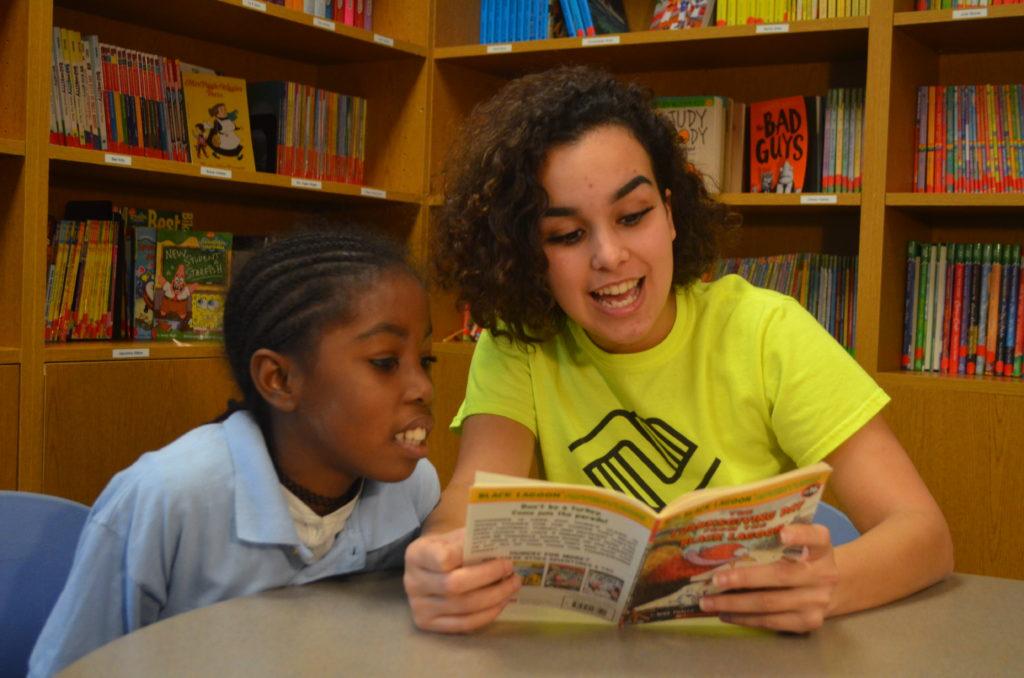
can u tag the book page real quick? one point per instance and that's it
(576, 548)
(728, 529)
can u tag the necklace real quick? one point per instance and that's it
(318, 503)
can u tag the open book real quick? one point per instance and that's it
(605, 554)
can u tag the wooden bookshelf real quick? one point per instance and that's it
(422, 72)
(69, 162)
(12, 147)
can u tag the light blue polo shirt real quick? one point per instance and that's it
(204, 520)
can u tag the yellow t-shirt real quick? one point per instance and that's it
(746, 385)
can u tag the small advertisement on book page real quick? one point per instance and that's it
(575, 551)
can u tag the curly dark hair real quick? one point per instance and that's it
(486, 245)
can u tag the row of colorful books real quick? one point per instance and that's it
(516, 20)
(970, 139)
(303, 131)
(138, 274)
(358, 13)
(124, 101)
(787, 145)
(961, 4)
(670, 15)
(742, 12)
(964, 309)
(825, 284)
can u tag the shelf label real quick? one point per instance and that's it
(973, 13)
(325, 24)
(383, 40)
(216, 172)
(819, 199)
(306, 183)
(121, 353)
(373, 192)
(601, 40)
(772, 28)
(117, 159)
(499, 49)
(255, 4)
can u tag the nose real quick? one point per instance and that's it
(608, 249)
(420, 388)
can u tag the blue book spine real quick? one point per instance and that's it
(570, 27)
(907, 359)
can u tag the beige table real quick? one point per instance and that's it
(965, 626)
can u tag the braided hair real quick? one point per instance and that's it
(293, 290)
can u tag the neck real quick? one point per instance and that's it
(318, 503)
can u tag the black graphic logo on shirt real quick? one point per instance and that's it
(624, 443)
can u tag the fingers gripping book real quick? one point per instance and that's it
(601, 553)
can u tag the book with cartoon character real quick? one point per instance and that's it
(193, 270)
(218, 120)
(607, 555)
(785, 145)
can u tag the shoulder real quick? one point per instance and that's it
(195, 464)
(735, 304)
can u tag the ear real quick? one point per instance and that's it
(668, 211)
(277, 378)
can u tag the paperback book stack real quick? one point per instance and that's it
(516, 20)
(825, 284)
(742, 12)
(961, 4)
(303, 131)
(357, 13)
(969, 139)
(964, 309)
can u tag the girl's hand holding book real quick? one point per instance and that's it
(448, 597)
(788, 595)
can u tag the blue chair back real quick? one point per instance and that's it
(38, 536)
(842, 529)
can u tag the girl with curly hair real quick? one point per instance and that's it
(578, 235)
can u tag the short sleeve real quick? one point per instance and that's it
(818, 394)
(499, 383)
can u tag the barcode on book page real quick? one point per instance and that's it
(588, 607)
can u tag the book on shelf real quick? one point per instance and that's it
(680, 14)
(703, 125)
(785, 145)
(217, 111)
(607, 555)
(963, 308)
(303, 131)
(192, 277)
(967, 139)
(744, 12)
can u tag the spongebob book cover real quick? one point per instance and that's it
(218, 121)
(193, 271)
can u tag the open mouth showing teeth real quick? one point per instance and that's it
(620, 294)
(414, 436)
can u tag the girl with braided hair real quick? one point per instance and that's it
(320, 472)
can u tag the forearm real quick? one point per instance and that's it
(905, 553)
(450, 513)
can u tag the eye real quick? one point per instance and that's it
(634, 218)
(389, 364)
(427, 361)
(565, 238)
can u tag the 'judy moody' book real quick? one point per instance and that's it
(601, 553)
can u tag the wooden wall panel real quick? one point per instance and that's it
(100, 416)
(450, 374)
(969, 448)
(9, 376)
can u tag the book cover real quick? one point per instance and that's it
(607, 555)
(702, 126)
(782, 134)
(609, 16)
(192, 276)
(218, 120)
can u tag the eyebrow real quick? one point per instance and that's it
(384, 328)
(626, 189)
